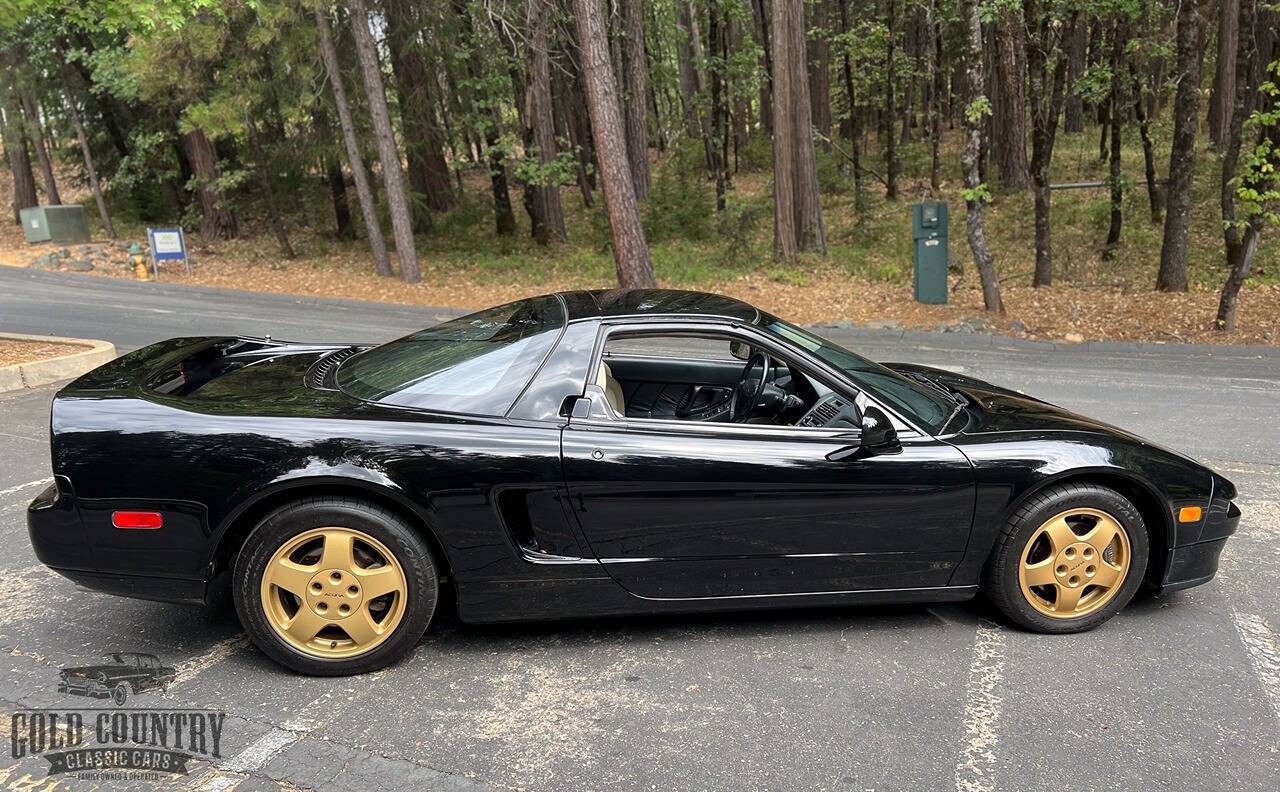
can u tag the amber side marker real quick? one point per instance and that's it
(1189, 514)
(145, 521)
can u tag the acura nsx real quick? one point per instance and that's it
(588, 454)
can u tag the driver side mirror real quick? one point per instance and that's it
(878, 434)
(740, 349)
(877, 437)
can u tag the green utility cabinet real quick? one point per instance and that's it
(63, 223)
(929, 235)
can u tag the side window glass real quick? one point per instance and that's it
(703, 378)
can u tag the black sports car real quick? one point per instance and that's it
(597, 453)
(128, 672)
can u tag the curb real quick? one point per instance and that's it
(42, 372)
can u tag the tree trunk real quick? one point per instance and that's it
(890, 154)
(634, 69)
(1222, 99)
(630, 253)
(416, 89)
(820, 72)
(1009, 125)
(332, 165)
(504, 217)
(689, 20)
(1046, 105)
(1239, 254)
(15, 147)
(1119, 37)
(1182, 155)
(388, 155)
(1148, 148)
(855, 116)
(267, 183)
(217, 221)
(719, 110)
(760, 18)
(1073, 120)
(797, 208)
(364, 192)
(547, 214)
(972, 181)
(42, 152)
(90, 170)
(934, 25)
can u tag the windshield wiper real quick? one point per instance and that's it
(952, 395)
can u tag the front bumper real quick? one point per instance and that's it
(91, 688)
(1196, 563)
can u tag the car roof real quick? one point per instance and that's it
(615, 303)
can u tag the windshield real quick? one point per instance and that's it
(477, 363)
(927, 407)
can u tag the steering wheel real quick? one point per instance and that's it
(750, 387)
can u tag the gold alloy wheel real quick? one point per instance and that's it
(333, 592)
(1074, 564)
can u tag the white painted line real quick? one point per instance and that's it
(257, 755)
(220, 783)
(981, 711)
(194, 666)
(21, 487)
(1264, 651)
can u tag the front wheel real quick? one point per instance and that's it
(1068, 560)
(335, 586)
(120, 694)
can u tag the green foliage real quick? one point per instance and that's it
(681, 203)
(757, 155)
(981, 193)
(834, 172)
(977, 109)
(1259, 189)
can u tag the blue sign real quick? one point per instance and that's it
(167, 244)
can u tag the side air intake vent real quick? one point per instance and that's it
(318, 376)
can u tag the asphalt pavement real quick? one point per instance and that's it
(1177, 692)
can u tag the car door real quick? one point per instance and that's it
(678, 509)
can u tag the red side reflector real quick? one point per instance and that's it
(137, 520)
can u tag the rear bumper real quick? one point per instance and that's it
(158, 589)
(61, 542)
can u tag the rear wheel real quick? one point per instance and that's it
(334, 586)
(1068, 560)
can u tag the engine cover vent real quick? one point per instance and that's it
(318, 376)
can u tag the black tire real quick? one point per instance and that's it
(1000, 578)
(120, 694)
(281, 525)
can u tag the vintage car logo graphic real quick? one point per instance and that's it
(127, 673)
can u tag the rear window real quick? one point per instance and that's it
(477, 363)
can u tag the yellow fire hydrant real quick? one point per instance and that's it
(139, 262)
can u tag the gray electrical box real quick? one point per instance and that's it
(929, 237)
(63, 223)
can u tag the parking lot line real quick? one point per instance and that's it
(1264, 652)
(982, 711)
(21, 487)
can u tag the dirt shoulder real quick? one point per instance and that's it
(15, 350)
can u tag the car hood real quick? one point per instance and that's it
(997, 409)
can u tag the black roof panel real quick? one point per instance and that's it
(655, 302)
